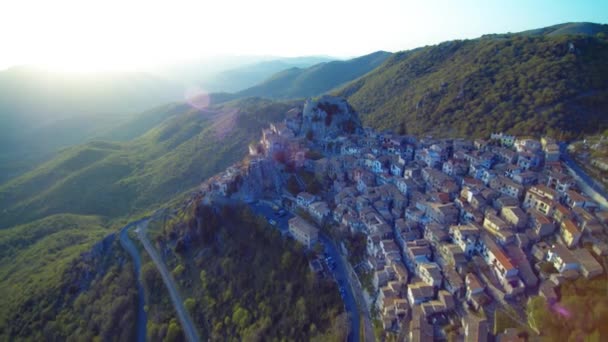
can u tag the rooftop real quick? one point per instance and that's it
(302, 225)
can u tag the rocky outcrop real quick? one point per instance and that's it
(262, 176)
(328, 117)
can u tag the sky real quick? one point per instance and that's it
(97, 35)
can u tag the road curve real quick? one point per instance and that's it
(182, 314)
(585, 182)
(342, 273)
(129, 246)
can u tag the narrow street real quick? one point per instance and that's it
(342, 277)
(354, 293)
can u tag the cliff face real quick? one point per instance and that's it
(328, 117)
(262, 176)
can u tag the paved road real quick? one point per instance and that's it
(342, 277)
(586, 182)
(129, 246)
(263, 209)
(341, 272)
(182, 314)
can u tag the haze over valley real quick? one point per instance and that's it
(339, 172)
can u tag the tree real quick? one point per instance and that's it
(190, 304)
(241, 317)
(178, 270)
(402, 128)
(174, 333)
(204, 280)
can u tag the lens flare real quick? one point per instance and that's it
(561, 310)
(197, 97)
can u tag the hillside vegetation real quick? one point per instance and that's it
(581, 313)
(542, 82)
(115, 179)
(47, 289)
(42, 111)
(52, 291)
(246, 76)
(243, 281)
(315, 80)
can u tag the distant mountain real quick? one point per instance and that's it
(246, 76)
(231, 73)
(545, 81)
(115, 179)
(315, 80)
(35, 96)
(41, 110)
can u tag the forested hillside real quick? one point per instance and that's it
(121, 178)
(244, 281)
(532, 83)
(42, 111)
(48, 290)
(315, 80)
(55, 287)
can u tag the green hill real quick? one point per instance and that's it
(49, 289)
(249, 75)
(524, 83)
(115, 179)
(315, 80)
(59, 281)
(34, 256)
(253, 276)
(42, 111)
(589, 29)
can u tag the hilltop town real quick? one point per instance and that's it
(455, 231)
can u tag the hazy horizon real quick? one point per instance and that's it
(67, 35)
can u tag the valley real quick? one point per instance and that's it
(414, 195)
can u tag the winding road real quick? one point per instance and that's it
(129, 246)
(188, 327)
(585, 182)
(353, 297)
(182, 314)
(353, 294)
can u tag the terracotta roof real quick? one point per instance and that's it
(498, 253)
(539, 217)
(563, 210)
(575, 196)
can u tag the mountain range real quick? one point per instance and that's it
(43, 111)
(315, 80)
(249, 75)
(79, 158)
